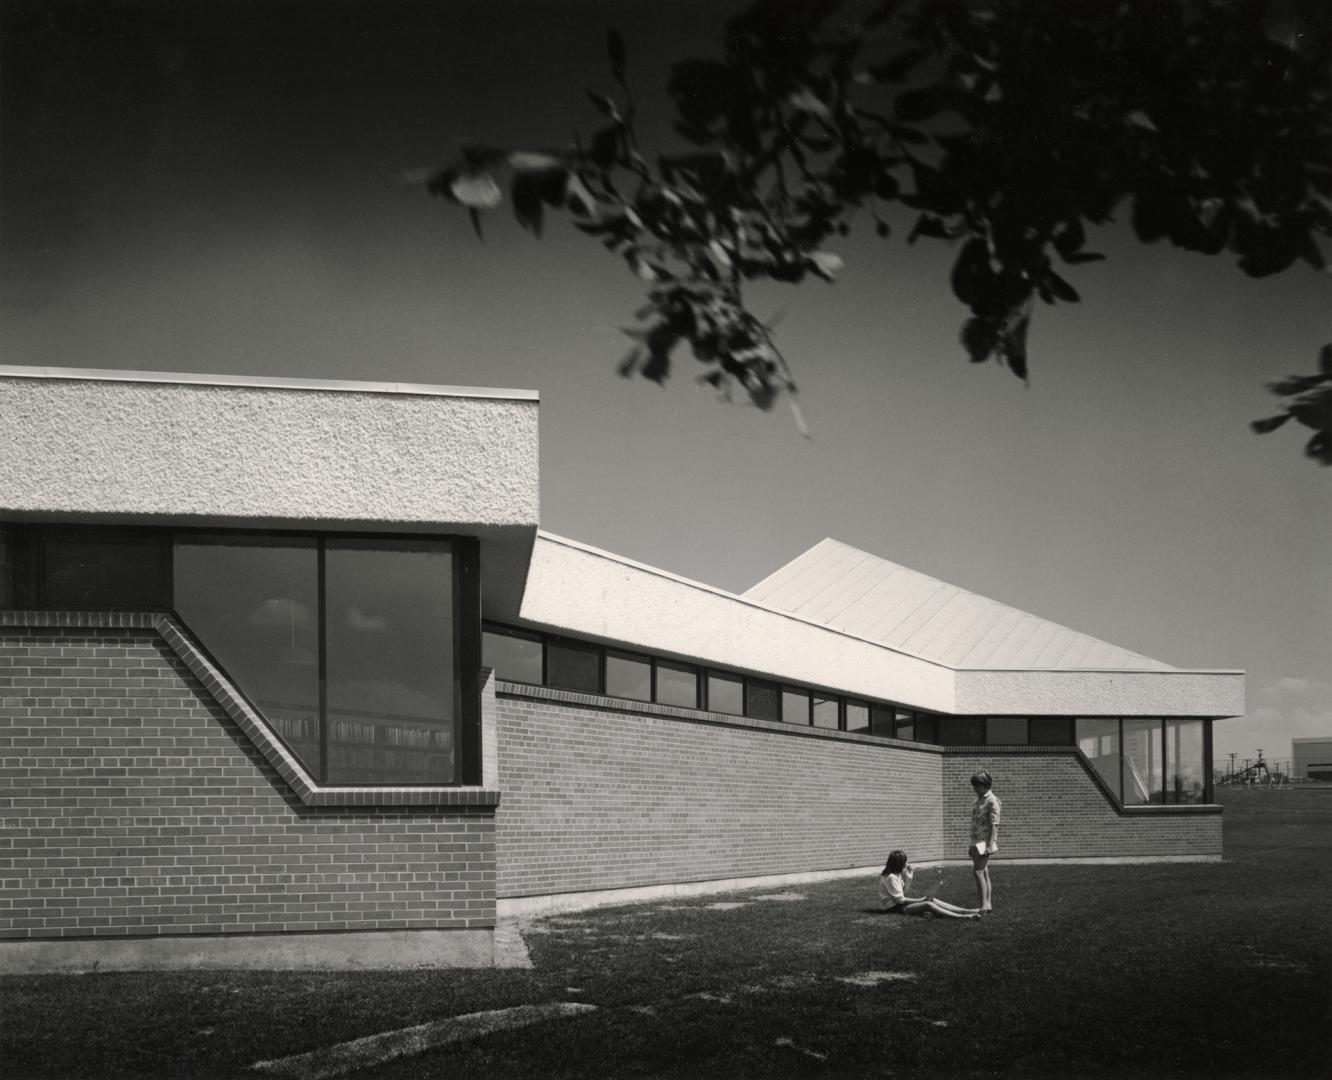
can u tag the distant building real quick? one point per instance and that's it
(289, 675)
(1311, 759)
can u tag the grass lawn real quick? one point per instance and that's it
(1189, 970)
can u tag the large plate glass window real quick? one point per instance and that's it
(1186, 771)
(1144, 769)
(253, 602)
(346, 645)
(388, 621)
(1098, 739)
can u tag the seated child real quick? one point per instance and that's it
(896, 880)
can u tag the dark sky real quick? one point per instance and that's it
(218, 187)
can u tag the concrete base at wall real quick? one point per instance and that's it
(522, 907)
(526, 907)
(364, 950)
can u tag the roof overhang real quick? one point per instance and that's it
(254, 452)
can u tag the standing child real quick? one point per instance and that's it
(896, 880)
(984, 835)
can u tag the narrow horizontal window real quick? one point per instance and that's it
(513, 657)
(927, 728)
(825, 712)
(795, 706)
(763, 700)
(904, 724)
(628, 676)
(677, 684)
(1002, 730)
(962, 730)
(573, 665)
(881, 720)
(726, 694)
(91, 566)
(857, 716)
(1050, 731)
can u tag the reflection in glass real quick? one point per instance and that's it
(1143, 768)
(253, 602)
(927, 728)
(1098, 740)
(726, 694)
(389, 639)
(825, 712)
(512, 657)
(573, 665)
(904, 724)
(763, 700)
(795, 706)
(677, 685)
(857, 716)
(628, 676)
(1000, 730)
(1185, 769)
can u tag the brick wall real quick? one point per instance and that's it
(1052, 809)
(131, 804)
(602, 797)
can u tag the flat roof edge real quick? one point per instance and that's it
(346, 386)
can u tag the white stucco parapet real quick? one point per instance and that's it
(154, 445)
(1101, 693)
(581, 590)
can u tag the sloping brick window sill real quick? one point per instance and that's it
(245, 717)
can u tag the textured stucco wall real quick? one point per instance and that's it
(598, 796)
(217, 452)
(1101, 693)
(583, 591)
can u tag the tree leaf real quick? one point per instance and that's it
(477, 191)
(1060, 288)
(1325, 359)
(824, 263)
(1271, 423)
(1320, 447)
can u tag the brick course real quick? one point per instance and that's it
(132, 804)
(600, 797)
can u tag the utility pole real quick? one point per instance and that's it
(1232, 764)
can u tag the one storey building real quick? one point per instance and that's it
(291, 676)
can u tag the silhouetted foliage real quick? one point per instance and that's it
(1006, 126)
(1310, 404)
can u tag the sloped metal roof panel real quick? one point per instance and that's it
(841, 587)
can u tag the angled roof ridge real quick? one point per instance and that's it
(937, 617)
